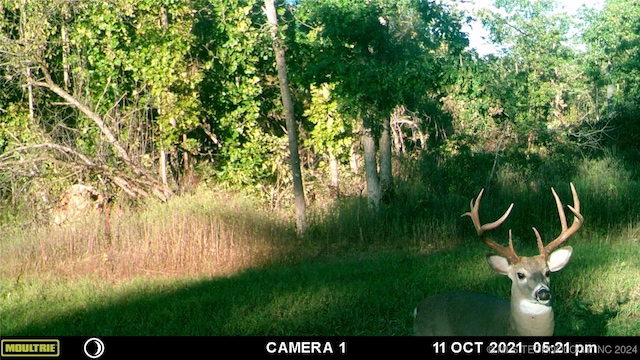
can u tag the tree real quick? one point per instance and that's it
(125, 76)
(612, 64)
(331, 133)
(244, 146)
(525, 95)
(376, 55)
(298, 190)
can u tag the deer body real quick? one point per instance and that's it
(528, 313)
(431, 319)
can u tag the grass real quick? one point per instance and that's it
(218, 264)
(369, 295)
(205, 234)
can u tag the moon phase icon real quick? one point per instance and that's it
(90, 351)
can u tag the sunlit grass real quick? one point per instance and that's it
(204, 234)
(367, 295)
(600, 286)
(220, 264)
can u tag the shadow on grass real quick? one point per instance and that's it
(360, 296)
(304, 299)
(584, 322)
(369, 295)
(375, 291)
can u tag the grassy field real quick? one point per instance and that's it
(219, 264)
(369, 295)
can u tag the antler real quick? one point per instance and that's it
(566, 232)
(508, 252)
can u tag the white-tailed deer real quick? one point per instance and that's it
(529, 312)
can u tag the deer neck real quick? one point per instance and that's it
(529, 318)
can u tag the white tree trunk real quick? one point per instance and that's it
(374, 193)
(163, 167)
(353, 160)
(333, 170)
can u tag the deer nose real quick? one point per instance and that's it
(543, 294)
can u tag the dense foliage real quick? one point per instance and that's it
(150, 97)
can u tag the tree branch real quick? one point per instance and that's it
(49, 84)
(126, 184)
(132, 186)
(60, 148)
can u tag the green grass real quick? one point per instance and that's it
(219, 264)
(596, 294)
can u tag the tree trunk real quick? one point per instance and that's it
(186, 165)
(386, 175)
(162, 167)
(164, 24)
(371, 164)
(23, 20)
(66, 48)
(333, 171)
(287, 103)
(353, 160)
(31, 100)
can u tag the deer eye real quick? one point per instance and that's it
(520, 275)
(547, 273)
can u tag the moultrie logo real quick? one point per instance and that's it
(30, 348)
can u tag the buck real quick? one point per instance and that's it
(529, 313)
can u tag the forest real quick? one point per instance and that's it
(228, 144)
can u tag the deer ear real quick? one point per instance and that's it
(559, 258)
(499, 264)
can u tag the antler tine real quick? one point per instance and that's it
(539, 239)
(473, 214)
(563, 218)
(566, 233)
(507, 252)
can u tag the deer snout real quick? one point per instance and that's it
(543, 294)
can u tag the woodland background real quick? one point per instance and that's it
(150, 98)
(173, 111)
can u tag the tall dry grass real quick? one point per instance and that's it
(215, 233)
(210, 233)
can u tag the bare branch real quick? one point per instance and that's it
(60, 148)
(49, 84)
